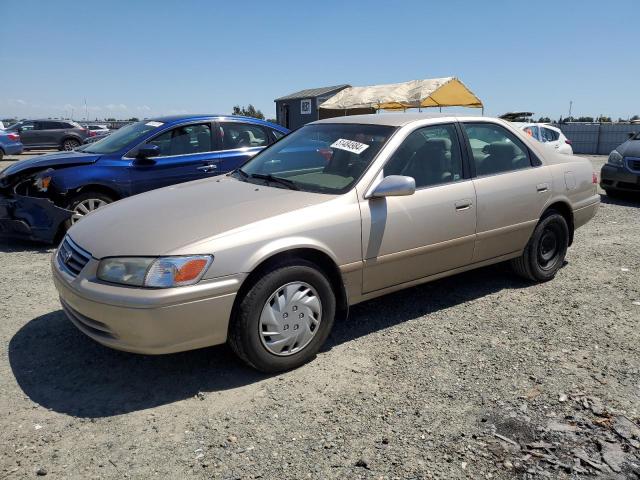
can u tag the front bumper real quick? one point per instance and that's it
(149, 321)
(619, 178)
(31, 218)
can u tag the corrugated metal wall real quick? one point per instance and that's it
(597, 138)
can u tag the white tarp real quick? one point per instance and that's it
(433, 92)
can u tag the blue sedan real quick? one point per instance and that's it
(9, 144)
(41, 197)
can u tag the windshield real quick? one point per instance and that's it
(121, 138)
(326, 158)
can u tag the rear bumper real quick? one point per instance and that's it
(12, 148)
(31, 218)
(585, 213)
(619, 178)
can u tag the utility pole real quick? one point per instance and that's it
(570, 105)
(86, 110)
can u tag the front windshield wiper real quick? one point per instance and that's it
(270, 178)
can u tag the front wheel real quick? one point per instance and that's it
(544, 254)
(284, 318)
(85, 203)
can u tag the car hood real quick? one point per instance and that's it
(51, 160)
(162, 221)
(630, 148)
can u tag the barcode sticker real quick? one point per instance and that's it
(350, 146)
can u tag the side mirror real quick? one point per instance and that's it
(148, 151)
(394, 186)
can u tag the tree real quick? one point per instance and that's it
(584, 119)
(635, 117)
(544, 120)
(603, 119)
(250, 111)
(134, 119)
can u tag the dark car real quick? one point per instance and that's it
(621, 173)
(60, 134)
(42, 196)
(9, 144)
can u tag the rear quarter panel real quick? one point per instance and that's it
(573, 184)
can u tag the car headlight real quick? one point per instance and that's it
(615, 158)
(42, 180)
(163, 272)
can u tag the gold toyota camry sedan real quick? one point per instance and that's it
(338, 212)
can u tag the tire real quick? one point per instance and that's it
(612, 193)
(69, 144)
(247, 327)
(545, 252)
(85, 199)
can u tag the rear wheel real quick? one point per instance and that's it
(85, 203)
(284, 318)
(544, 254)
(70, 144)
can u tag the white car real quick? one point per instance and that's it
(99, 129)
(551, 136)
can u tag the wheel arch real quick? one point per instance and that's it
(98, 188)
(70, 137)
(320, 259)
(564, 209)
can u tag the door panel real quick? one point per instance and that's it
(185, 155)
(508, 207)
(407, 238)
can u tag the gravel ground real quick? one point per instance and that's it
(476, 376)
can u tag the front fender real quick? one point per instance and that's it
(280, 245)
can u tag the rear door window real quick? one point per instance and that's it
(549, 135)
(495, 150)
(235, 135)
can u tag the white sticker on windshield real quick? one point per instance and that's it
(350, 146)
(154, 124)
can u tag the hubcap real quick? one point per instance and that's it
(85, 207)
(70, 145)
(290, 318)
(548, 248)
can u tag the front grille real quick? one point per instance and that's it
(633, 163)
(71, 257)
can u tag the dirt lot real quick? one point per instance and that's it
(476, 376)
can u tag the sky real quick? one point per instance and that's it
(149, 58)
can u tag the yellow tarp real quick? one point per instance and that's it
(434, 92)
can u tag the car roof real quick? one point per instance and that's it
(536, 124)
(400, 119)
(182, 118)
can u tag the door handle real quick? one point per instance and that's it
(208, 167)
(542, 187)
(463, 205)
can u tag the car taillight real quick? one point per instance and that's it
(14, 137)
(594, 177)
(92, 133)
(567, 141)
